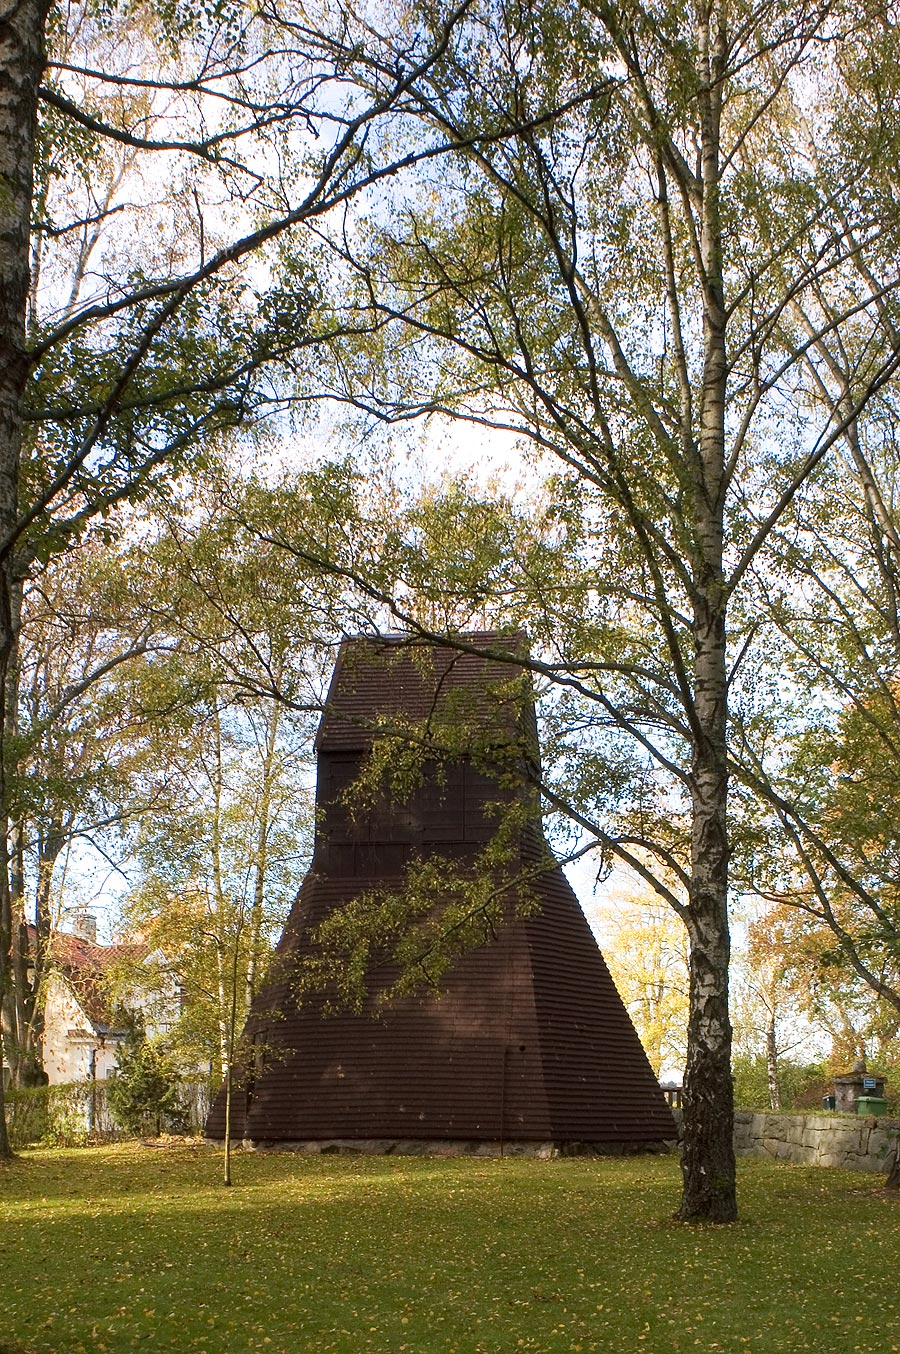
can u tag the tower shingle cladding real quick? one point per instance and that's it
(527, 1041)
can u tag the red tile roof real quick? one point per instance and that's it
(86, 967)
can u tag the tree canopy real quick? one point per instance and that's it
(670, 270)
(655, 246)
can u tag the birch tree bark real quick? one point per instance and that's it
(260, 859)
(21, 67)
(708, 1162)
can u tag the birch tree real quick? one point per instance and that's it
(79, 774)
(637, 291)
(155, 163)
(217, 873)
(645, 948)
(823, 762)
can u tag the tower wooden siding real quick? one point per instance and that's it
(528, 1039)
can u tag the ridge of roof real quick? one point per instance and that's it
(377, 678)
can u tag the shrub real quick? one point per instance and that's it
(60, 1116)
(27, 1114)
(69, 1115)
(143, 1096)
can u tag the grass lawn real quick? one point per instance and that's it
(134, 1247)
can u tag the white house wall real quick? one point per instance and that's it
(70, 1039)
(159, 1001)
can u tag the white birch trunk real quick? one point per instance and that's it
(21, 67)
(708, 1163)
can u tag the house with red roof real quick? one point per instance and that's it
(84, 1023)
(83, 1026)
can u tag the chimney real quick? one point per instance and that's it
(84, 925)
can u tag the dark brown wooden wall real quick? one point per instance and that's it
(527, 1041)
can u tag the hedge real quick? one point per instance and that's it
(77, 1112)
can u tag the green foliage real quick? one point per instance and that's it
(442, 909)
(143, 1096)
(28, 1114)
(181, 754)
(150, 340)
(645, 947)
(418, 929)
(68, 1115)
(802, 1085)
(349, 1254)
(58, 1116)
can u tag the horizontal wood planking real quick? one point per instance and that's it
(528, 1039)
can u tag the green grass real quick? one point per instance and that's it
(133, 1247)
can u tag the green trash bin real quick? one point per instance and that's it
(871, 1104)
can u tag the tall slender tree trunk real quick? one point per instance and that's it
(261, 861)
(13, 1010)
(772, 1061)
(25, 1071)
(50, 845)
(227, 994)
(708, 1163)
(229, 1074)
(5, 942)
(21, 67)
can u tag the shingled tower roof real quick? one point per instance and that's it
(527, 1041)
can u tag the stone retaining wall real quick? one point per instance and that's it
(856, 1142)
